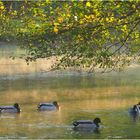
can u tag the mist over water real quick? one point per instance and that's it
(80, 96)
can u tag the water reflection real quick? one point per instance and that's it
(9, 115)
(79, 98)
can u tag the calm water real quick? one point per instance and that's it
(80, 97)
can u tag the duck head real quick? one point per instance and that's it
(97, 121)
(17, 106)
(56, 104)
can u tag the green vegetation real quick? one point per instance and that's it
(78, 33)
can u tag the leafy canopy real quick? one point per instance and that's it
(78, 33)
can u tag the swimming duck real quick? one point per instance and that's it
(48, 106)
(10, 109)
(135, 110)
(87, 124)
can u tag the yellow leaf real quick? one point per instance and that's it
(88, 4)
(2, 7)
(81, 22)
(111, 19)
(134, 6)
(68, 15)
(47, 1)
(60, 19)
(92, 16)
(14, 12)
(55, 30)
(56, 23)
(107, 19)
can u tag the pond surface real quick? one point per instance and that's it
(80, 97)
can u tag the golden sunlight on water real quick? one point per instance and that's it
(107, 96)
(97, 98)
(107, 102)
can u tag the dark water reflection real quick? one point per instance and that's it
(80, 97)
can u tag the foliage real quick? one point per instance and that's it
(79, 33)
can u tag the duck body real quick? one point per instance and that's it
(87, 124)
(81, 124)
(48, 106)
(10, 109)
(135, 110)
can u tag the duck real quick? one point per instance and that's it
(87, 124)
(135, 110)
(10, 109)
(48, 106)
